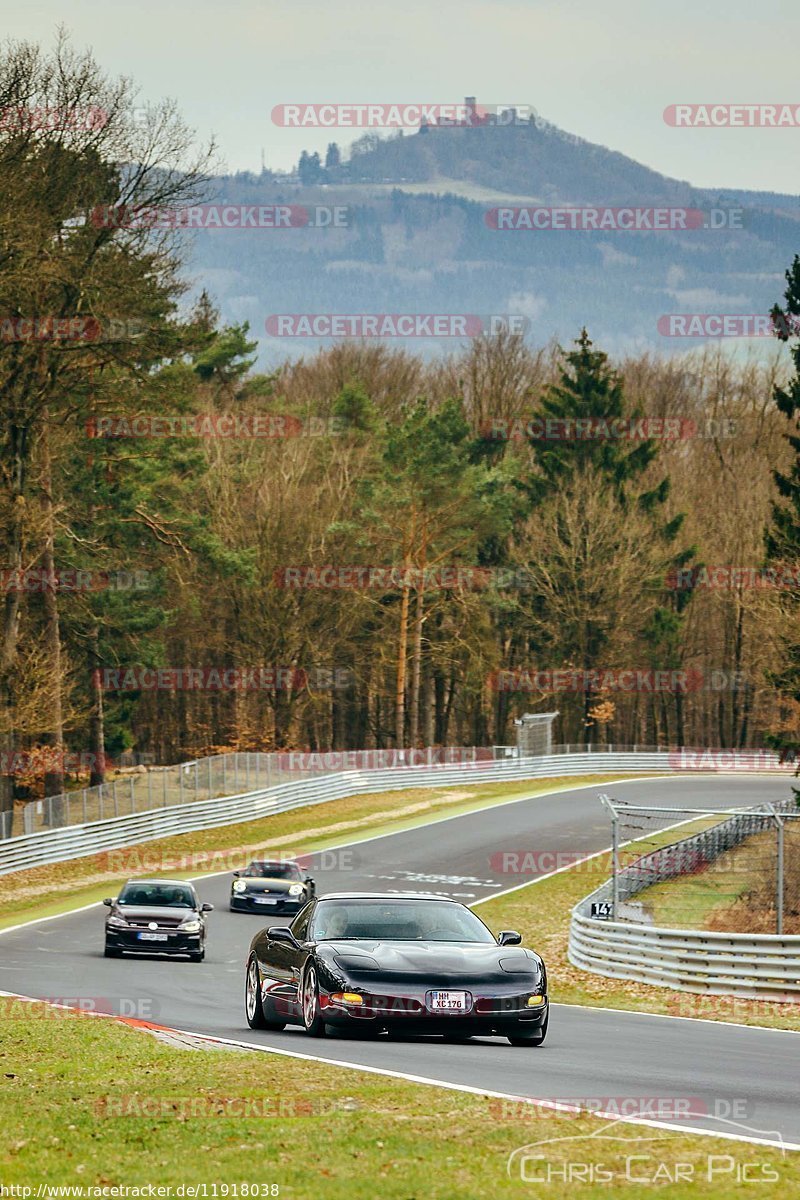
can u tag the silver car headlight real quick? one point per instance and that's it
(239, 885)
(192, 926)
(296, 889)
(117, 922)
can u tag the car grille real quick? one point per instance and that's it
(162, 922)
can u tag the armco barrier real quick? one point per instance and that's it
(748, 965)
(76, 841)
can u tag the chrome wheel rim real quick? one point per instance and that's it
(252, 990)
(310, 999)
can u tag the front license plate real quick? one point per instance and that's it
(153, 937)
(447, 1002)
(265, 900)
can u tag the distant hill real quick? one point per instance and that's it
(419, 241)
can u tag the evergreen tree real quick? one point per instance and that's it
(783, 534)
(582, 451)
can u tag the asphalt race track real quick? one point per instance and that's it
(751, 1074)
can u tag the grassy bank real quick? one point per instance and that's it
(91, 1103)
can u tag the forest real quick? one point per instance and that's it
(361, 547)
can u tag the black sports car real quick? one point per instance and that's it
(423, 964)
(271, 885)
(157, 916)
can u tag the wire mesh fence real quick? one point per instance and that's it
(145, 788)
(740, 874)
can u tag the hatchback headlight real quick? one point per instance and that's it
(117, 922)
(239, 885)
(191, 926)
(296, 889)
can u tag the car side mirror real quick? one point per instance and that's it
(282, 933)
(237, 874)
(509, 937)
(206, 908)
(309, 879)
(108, 902)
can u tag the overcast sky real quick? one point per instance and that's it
(605, 71)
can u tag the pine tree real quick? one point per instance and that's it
(570, 463)
(783, 535)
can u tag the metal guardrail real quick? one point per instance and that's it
(142, 789)
(76, 841)
(748, 965)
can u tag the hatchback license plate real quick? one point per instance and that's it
(448, 1002)
(153, 937)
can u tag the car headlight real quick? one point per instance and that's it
(192, 926)
(535, 1001)
(296, 889)
(239, 885)
(117, 922)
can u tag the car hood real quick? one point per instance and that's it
(436, 963)
(152, 912)
(266, 885)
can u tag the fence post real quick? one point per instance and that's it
(779, 897)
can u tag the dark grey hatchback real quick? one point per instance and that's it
(157, 916)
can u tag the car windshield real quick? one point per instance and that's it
(273, 870)
(156, 895)
(404, 920)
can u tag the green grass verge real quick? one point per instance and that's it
(48, 890)
(541, 912)
(89, 1103)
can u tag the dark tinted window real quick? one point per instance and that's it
(157, 895)
(398, 920)
(273, 870)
